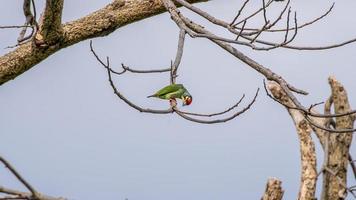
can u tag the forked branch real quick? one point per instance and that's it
(14, 194)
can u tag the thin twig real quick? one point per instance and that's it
(306, 111)
(218, 120)
(124, 67)
(179, 55)
(255, 13)
(239, 12)
(214, 114)
(264, 12)
(241, 31)
(18, 176)
(14, 26)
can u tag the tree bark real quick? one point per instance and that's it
(307, 149)
(273, 190)
(54, 36)
(335, 170)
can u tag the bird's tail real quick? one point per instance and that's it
(151, 96)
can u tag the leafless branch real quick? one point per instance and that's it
(215, 114)
(239, 12)
(137, 71)
(173, 108)
(306, 23)
(20, 26)
(245, 35)
(30, 20)
(124, 67)
(255, 13)
(308, 113)
(179, 55)
(200, 30)
(241, 31)
(217, 120)
(131, 104)
(259, 32)
(15, 194)
(264, 12)
(19, 177)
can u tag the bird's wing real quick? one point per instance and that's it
(169, 89)
(175, 94)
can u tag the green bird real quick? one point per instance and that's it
(173, 91)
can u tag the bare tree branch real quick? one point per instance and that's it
(307, 148)
(178, 57)
(216, 120)
(14, 26)
(319, 125)
(173, 108)
(51, 24)
(215, 114)
(15, 194)
(100, 23)
(239, 13)
(30, 20)
(18, 176)
(335, 181)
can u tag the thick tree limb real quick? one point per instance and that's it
(334, 184)
(273, 190)
(307, 148)
(100, 23)
(51, 23)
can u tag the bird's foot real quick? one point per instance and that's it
(173, 102)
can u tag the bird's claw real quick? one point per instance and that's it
(173, 103)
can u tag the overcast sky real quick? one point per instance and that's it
(69, 135)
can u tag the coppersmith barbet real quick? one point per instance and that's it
(173, 91)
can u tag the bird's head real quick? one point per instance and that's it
(187, 100)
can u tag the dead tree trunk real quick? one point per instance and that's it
(335, 145)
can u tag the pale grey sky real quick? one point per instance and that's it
(69, 135)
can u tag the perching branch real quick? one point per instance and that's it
(215, 114)
(185, 116)
(173, 76)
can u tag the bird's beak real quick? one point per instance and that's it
(184, 104)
